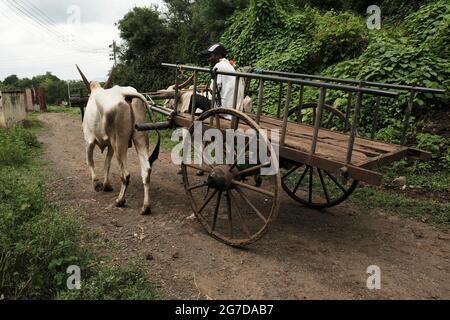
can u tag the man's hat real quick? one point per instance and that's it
(217, 48)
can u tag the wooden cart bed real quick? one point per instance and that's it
(331, 150)
(333, 145)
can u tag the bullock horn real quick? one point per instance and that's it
(108, 82)
(85, 80)
(186, 83)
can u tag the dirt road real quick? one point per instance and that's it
(307, 254)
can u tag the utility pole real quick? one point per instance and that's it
(113, 55)
(68, 93)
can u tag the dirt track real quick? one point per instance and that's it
(307, 254)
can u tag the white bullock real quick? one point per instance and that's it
(108, 123)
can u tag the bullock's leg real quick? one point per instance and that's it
(122, 149)
(143, 154)
(106, 184)
(98, 186)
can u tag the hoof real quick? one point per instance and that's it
(108, 188)
(98, 186)
(146, 211)
(120, 204)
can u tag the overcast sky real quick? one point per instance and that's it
(52, 35)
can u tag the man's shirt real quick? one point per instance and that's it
(226, 85)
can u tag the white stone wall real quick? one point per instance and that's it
(12, 108)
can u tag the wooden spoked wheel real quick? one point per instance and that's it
(316, 188)
(313, 187)
(231, 192)
(332, 118)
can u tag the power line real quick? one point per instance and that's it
(51, 29)
(30, 17)
(34, 17)
(40, 12)
(50, 21)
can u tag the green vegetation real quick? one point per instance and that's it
(410, 54)
(418, 174)
(38, 241)
(428, 211)
(60, 109)
(113, 283)
(289, 39)
(177, 34)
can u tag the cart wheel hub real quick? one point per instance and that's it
(220, 178)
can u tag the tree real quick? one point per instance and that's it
(175, 35)
(148, 42)
(56, 89)
(11, 80)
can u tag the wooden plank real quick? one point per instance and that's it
(333, 146)
(417, 154)
(386, 159)
(371, 149)
(336, 136)
(326, 151)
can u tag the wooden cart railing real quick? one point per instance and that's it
(346, 153)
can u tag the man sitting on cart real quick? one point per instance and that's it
(216, 56)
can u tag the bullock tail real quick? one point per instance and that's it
(155, 154)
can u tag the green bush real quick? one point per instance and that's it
(281, 37)
(292, 39)
(404, 56)
(438, 146)
(16, 146)
(430, 27)
(392, 60)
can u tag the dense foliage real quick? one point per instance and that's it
(284, 38)
(409, 56)
(280, 37)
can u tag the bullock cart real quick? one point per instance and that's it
(316, 164)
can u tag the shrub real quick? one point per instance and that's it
(281, 37)
(16, 146)
(438, 146)
(430, 27)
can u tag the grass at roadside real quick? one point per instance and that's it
(428, 211)
(38, 241)
(425, 198)
(67, 110)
